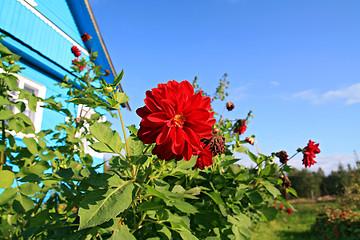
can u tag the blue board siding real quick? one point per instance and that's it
(26, 26)
(59, 13)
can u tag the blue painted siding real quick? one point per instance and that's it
(59, 13)
(26, 26)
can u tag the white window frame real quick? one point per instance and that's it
(41, 92)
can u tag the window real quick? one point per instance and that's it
(86, 112)
(36, 89)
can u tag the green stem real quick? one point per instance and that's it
(123, 128)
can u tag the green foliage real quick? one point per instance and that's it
(60, 194)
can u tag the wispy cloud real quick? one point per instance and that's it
(350, 95)
(274, 83)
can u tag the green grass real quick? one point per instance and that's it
(296, 226)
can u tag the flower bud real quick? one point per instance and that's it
(250, 140)
(108, 89)
(282, 155)
(107, 73)
(12, 62)
(230, 106)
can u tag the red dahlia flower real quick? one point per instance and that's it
(309, 153)
(75, 51)
(204, 157)
(85, 37)
(240, 126)
(175, 119)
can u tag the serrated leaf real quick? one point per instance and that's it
(22, 203)
(271, 188)
(270, 213)
(104, 134)
(101, 147)
(121, 97)
(7, 178)
(100, 206)
(136, 147)
(255, 197)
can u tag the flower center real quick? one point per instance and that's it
(179, 120)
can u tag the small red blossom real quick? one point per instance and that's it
(240, 126)
(76, 63)
(275, 206)
(75, 51)
(107, 73)
(250, 140)
(230, 106)
(176, 119)
(289, 211)
(310, 152)
(85, 37)
(281, 207)
(204, 158)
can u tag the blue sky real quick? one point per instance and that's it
(295, 64)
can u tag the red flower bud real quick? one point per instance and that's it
(107, 73)
(75, 51)
(240, 126)
(250, 140)
(230, 106)
(282, 155)
(85, 37)
(289, 211)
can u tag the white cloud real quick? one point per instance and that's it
(350, 94)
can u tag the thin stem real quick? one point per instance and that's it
(2, 158)
(293, 156)
(222, 115)
(123, 128)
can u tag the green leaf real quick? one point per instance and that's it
(101, 147)
(22, 203)
(133, 129)
(215, 197)
(6, 114)
(100, 206)
(184, 206)
(292, 191)
(29, 188)
(104, 134)
(11, 81)
(270, 213)
(118, 78)
(7, 195)
(31, 145)
(32, 100)
(271, 188)
(7, 178)
(121, 97)
(16, 125)
(122, 233)
(255, 197)
(4, 50)
(94, 56)
(86, 101)
(136, 147)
